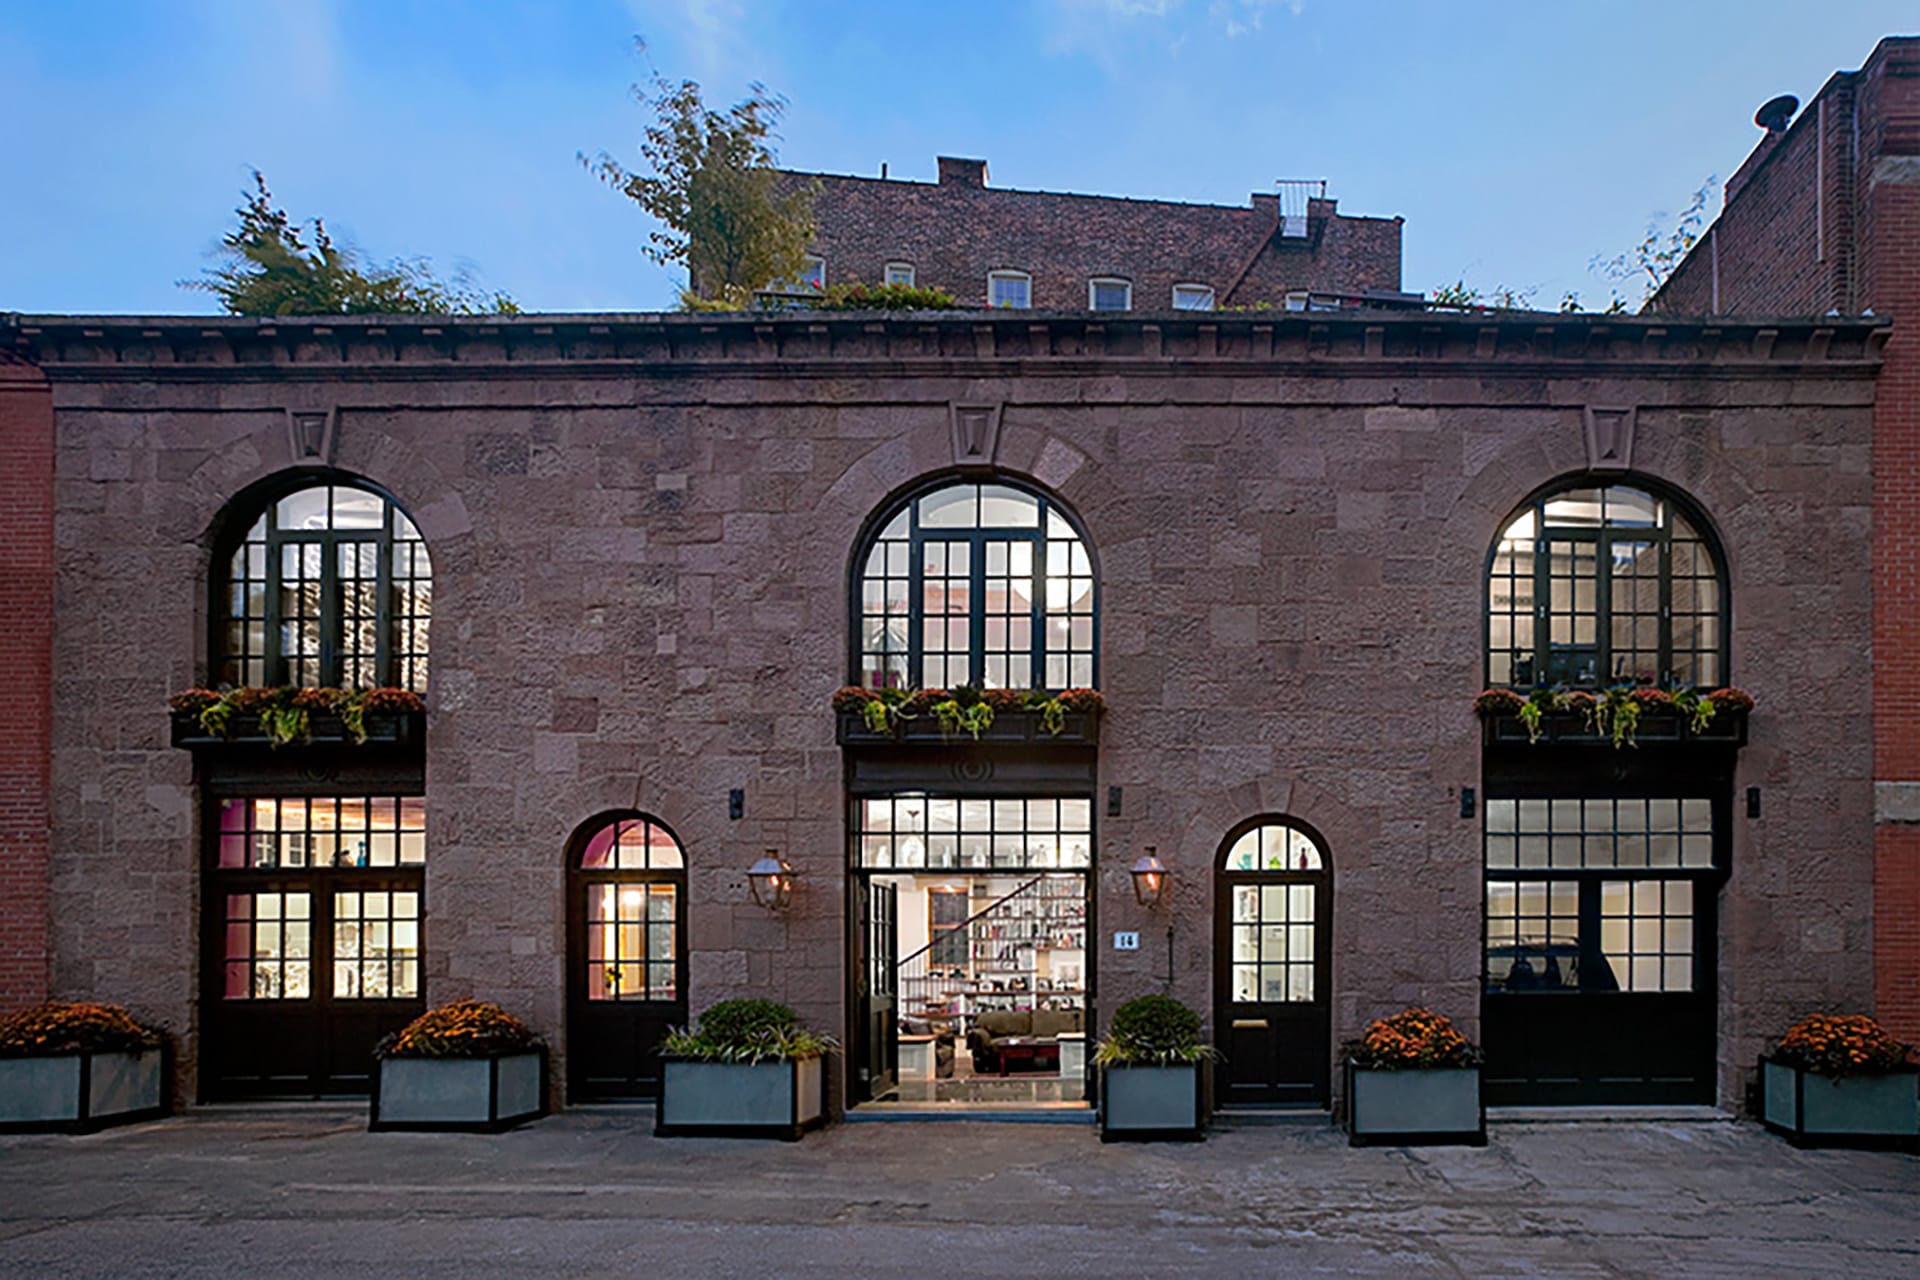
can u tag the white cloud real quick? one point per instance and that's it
(713, 36)
(1243, 17)
(293, 48)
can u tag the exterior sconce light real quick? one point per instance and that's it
(1149, 879)
(771, 881)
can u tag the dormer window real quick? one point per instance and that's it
(813, 272)
(1010, 289)
(1108, 293)
(1193, 297)
(900, 273)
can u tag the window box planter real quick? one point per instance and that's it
(473, 1095)
(1432, 1106)
(1811, 1110)
(773, 1099)
(1569, 728)
(84, 1092)
(383, 729)
(1009, 728)
(1154, 1104)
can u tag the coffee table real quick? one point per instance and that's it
(1027, 1049)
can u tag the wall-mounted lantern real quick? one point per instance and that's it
(771, 881)
(1149, 878)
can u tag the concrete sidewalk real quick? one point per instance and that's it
(308, 1192)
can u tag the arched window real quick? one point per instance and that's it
(331, 585)
(1594, 586)
(981, 584)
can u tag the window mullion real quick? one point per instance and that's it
(1037, 613)
(385, 671)
(272, 661)
(1603, 607)
(1665, 561)
(916, 609)
(331, 611)
(977, 609)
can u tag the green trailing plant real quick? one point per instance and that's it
(1536, 707)
(1698, 708)
(1152, 1031)
(1622, 716)
(1053, 716)
(956, 719)
(747, 1031)
(854, 296)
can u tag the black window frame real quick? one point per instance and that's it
(1541, 650)
(975, 537)
(394, 664)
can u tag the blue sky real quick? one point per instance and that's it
(1518, 140)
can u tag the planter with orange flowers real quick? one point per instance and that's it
(1621, 716)
(77, 1068)
(1841, 1081)
(468, 1066)
(1413, 1079)
(941, 717)
(296, 717)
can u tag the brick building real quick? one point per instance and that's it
(997, 246)
(630, 559)
(1823, 218)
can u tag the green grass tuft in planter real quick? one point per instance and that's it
(466, 1066)
(76, 1068)
(748, 1070)
(1413, 1079)
(1153, 1073)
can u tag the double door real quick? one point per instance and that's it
(305, 975)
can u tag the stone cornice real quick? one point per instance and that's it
(985, 343)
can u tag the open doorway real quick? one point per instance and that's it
(972, 968)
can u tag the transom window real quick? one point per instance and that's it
(1596, 895)
(1599, 586)
(332, 585)
(915, 830)
(980, 584)
(1109, 294)
(1009, 289)
(632, 875)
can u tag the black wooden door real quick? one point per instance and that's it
(626, 981)
(1614, 1003)
(305, 974)
(878, 984)
(1272, 962)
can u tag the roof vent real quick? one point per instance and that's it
(1773, 117)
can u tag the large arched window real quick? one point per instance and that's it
(331, 585)
(982, 584)
(1594, 586)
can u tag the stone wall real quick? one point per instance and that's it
(641, 531)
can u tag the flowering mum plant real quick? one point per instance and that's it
(1841, 1045)
(48, 1030)
(1498, 702)
(1411, 1040)
(463, 1029)
(1730, 699)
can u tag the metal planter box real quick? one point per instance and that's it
(1568, 728)
(1849, 1111)
(473, 1095)
(740, 1099)
(1153, 1104)
(1011, 727)
(1437, 1106)
(83, 1092)
(384, 728)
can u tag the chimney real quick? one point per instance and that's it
(955, 172)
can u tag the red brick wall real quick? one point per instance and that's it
(1769, 259)
(955, 232)
(26, 672)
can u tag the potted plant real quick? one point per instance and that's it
(1836, 1081)
(1413, 1079)
(749, 1070)
(468, 1066)
(76, 1068)
(1152, 1073)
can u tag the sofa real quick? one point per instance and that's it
(1046, 1025)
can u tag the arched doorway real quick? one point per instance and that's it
(1273, 911)
(626, 954)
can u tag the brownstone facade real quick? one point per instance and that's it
(955, 232)
(641, 534)
(1824, 217)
